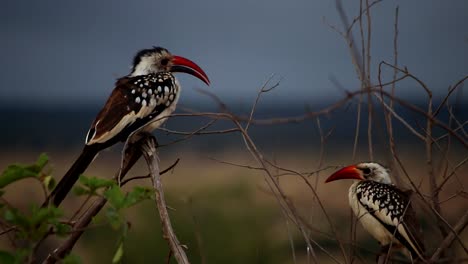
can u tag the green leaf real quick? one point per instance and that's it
(15, 217)
(94, 183)
(16, 172)
(114, 217)
(118, 254)
(49, 182)
(42, 161)
(115, 196)
(78, 190)
(137, 195)
(34, 225)
(62, 229)
(72, 259)
(6, 257)
(10, 215)
(45, 215)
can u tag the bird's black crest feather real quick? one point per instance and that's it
(146, 52)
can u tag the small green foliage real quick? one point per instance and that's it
(15, 217)
(119, 200)
(49, 182)
(31, 225)
(137, 195)
(48, 214)
(116, 197)
(28, 226)
(120, 248)
(36, 224)
(79, 191)
(19, 256)
(42, 161)
(119, 253)
(114, 217)
(91, 185)
(6, 257)
(72, 259)
(62, 230)
(16, 172)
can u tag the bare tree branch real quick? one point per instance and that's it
(462, 223)
(150, 154)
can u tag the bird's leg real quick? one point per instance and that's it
(131, 153)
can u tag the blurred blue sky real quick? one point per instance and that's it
(71, 52)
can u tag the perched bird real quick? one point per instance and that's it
(140, 102)
(383, 210)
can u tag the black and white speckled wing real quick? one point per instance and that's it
(392, 208)
(134, 102)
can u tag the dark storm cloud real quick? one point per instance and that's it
(70, 52)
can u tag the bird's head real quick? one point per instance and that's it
(363, 171)
(157, 59)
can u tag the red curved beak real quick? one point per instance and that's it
(181, 64)
(349, 172)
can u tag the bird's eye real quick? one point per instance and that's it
(164, 62)
(366, 171)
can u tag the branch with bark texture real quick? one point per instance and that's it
(151, 156)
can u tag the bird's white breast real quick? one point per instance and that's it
(368, 221)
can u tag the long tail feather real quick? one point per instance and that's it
(66, 183)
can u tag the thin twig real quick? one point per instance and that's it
(356, 19)
(367, 71)
(12, 228)
(451, 90)
(148, 175)
(448, 240)
(199, 130)
(262, 90)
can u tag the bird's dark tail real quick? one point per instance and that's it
(66, 183)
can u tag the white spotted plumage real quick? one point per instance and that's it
(148, 98)
(376, 202)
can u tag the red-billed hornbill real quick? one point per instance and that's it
(383, 210)
(140, 102)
